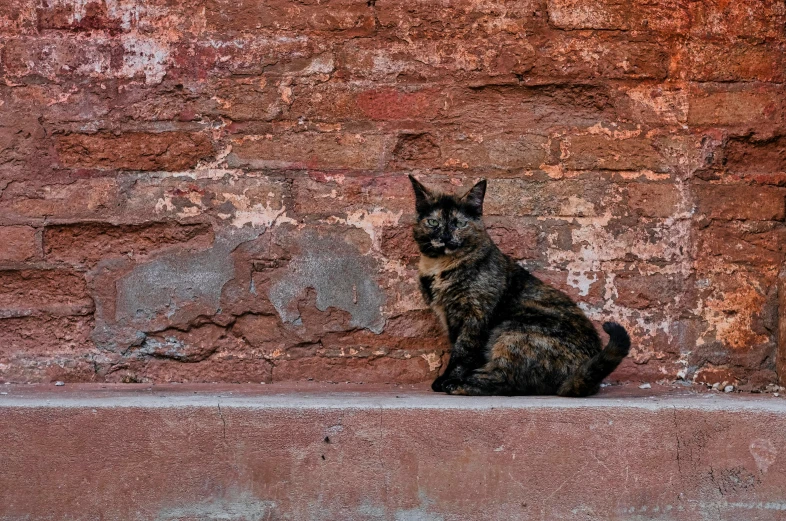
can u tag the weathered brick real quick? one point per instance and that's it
(248, 54)
(520, 197)
(347, 17)
(671, 16)
(85, 16)
(736, 106)
(420, 18)
(18, 243)
(18, 16)
(756, 245)
(750, 156)
(654, 199)
(91, 242)
(599, 56)
(255, 200)
(134, 150)
(526, 109)
(748, 19)
(309, 150)
(348, 102)
(33, 292)
(253, 99)
(59, 57)
(352, 369)
(638, 291)
(91, 198)
(757, 203)
(738, 62)
(437, 60)
(386, 196)
(24, 339)
(600, 152)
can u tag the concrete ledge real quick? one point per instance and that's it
(319, 452)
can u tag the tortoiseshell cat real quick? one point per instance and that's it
(510, 333)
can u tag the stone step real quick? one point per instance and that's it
(398, 453)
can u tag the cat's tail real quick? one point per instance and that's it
(587, 379)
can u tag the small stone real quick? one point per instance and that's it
(645, 386)
(7, 393)
(775, 394)
(728, 389)
(59, 383)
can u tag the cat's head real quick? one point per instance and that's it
(448, 224)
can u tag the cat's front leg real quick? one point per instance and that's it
(462, 362)
(453, 372)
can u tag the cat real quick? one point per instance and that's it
(510, 333)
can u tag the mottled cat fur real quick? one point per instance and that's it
(510, 333)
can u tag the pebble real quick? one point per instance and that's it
(728, 389)
(7, 393)
(59, 383)
(645, 386)
(775, 394)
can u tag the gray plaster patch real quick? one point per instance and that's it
(241, 507)
(342, 278)
(162, 285)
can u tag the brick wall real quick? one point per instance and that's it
(214, 190)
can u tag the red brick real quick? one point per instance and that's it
(91, 15)
(248, 99)
(348, 102)
(749, 156)
(347, 17)
(90, 198)
(24, 339)
(746, 106)
(757, 19)
(134, 150)
(526, 109)
(366, 370)
(309, 150)
(17, 243)
(54, 292)
(555, 198)
(419, 18)
(780, 357)
(758, 245)
(514, 241)
(738, 62)
(757, 203)
(17, 16)
(251, 199)
(56, 58)
(91, 242)
(246, 54)
(599, 56)
(387, 103)
(227, 369)
(436, 60)
(671, 16)
(599, 152)
(638, 291)
(654, 199)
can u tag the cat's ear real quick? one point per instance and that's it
(474, 198)
(422, 196)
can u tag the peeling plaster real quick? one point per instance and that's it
(342, 278)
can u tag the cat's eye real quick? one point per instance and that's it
(461, 223)
(432, 223)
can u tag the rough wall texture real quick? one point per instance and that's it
(215, 190)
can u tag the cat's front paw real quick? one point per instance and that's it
(437, 384)
(452, 386)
